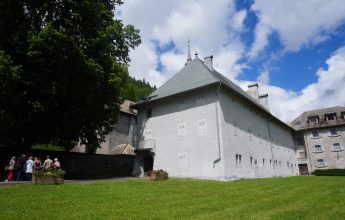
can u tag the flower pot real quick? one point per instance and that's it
(159, 175)
(48, 179)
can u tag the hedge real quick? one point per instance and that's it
(330, 172)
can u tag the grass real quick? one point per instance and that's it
(277, 198)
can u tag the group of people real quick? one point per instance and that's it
(21, 169)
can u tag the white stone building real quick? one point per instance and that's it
(200, 124)
(320, 139)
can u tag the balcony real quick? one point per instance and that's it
(149, 144)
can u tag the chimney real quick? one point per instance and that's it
(263, 100)
(253, 90)
(208, 62)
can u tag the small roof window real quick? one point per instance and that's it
(330, 117)
(313, 119)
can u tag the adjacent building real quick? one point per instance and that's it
(200, 124)
(122, 138)
(320, 139)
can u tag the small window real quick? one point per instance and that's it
(318, 148)
(148, 113)
(301, 154)
(263, 161)
(336, 147)
(330, 117)
(238, 160)
(343, 115)
(249, 134)
(333, 132)
(182, 129)
(251, 161)
(181, 104)
(315, 134)
(313, 119)
(202, 127)
(148, 134)
(320, 163)
(300, 141)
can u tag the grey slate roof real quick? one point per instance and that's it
(301, 122)
(196, 75)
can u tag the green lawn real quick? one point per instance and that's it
(276, 198)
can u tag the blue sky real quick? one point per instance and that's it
(294, 49)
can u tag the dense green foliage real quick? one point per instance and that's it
(137, 90)
(63, 65)
(307, 197)
(330, 172)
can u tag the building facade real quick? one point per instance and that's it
(200, 124)
(320, 139)
(123, 133)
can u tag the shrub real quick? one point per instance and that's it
(159, 175)
(49, 172)
(330, 172)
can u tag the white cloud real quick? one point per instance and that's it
(297, 24)
(328, 91)
(213, 26)
(264, 77)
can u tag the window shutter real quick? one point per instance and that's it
(316, 164)
(325, 163)
(323, 148)
(332, 148)
(341, 147)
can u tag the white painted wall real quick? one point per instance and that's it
(190, 150)
(247, 132)
(185, 133)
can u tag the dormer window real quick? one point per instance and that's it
(343, 115)
(330, 117)
(313, 119)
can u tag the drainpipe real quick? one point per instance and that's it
(307, 149)
(218, 136)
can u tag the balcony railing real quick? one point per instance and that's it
(146, 144)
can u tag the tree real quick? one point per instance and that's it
(62, 67)
(136, 90)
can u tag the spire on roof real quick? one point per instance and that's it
(189, 57)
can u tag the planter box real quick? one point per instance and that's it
(159, 176)
(47, 180)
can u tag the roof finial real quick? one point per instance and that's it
(196, 54)
(189, 57)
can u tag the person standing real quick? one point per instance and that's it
(10, 170)
(37, 163)
(56, 164)
(29, 169)
(21, 168)
(47, 163)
